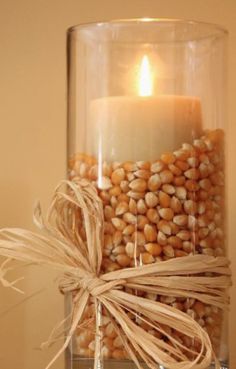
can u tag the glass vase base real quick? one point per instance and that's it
(83, 363)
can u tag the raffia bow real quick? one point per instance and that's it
(79, 260)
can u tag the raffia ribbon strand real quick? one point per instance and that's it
(62, 248)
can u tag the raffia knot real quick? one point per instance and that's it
(91, 284)
(96, 286)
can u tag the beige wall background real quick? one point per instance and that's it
(33, 142)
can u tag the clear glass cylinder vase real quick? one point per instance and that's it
(146, 125)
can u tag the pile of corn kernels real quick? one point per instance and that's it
(155, 211)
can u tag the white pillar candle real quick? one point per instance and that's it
(142, 127)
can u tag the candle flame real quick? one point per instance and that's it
(145, 79)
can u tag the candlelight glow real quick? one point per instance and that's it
(145, 79)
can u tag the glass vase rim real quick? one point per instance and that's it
(214, 29)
